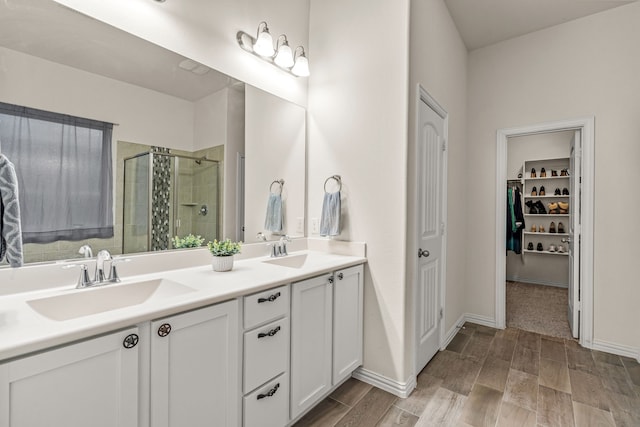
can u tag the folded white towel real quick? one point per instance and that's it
(330, 219)
(10, 229)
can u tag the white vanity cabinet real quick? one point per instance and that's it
(326, 334)
(195, 372)
(90, 383)
(266, 358)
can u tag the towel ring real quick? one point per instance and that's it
(337, 179)
(280, 182)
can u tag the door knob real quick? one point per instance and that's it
(422, 253)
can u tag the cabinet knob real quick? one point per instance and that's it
(164, 330)
(130, 341)
(270, 298)
(270, 333)
(423, 253)
(330, 279)
(340, 276)
(270, 392)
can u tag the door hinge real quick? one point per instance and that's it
(442, 228)
(444, 145)
(579, 306)
(441, 313)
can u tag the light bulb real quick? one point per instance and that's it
(284, 57)
(301, 66)
(264, 43)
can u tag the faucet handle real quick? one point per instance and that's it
(113, 273)
(84, 280)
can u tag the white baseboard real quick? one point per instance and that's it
(396, 388)
(537, 282)
(480, 320)
(619, 349)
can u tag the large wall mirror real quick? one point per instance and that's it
(204, 150)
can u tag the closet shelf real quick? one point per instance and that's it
(546, 234)
(545, 252)
(546, 197)
(546, 215)
(546, 177)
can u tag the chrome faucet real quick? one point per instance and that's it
(282, 247)
(86, 251)
(103, 256)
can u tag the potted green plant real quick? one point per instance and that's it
(223, 252)
(188, 241)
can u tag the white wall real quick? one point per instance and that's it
(439, 64)
(275, 150)
(357, 128)
(205, 31)
(589, 66)
(143, 116)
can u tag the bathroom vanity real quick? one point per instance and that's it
(257, 346)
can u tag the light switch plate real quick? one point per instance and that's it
(300, 225)
(315, 226)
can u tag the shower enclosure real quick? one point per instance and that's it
(167, 195)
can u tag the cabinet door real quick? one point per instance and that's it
(311, 302)
(347, 322)
(91, 383)
(194, 368)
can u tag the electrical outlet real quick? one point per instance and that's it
(300, 225)
(315, 226)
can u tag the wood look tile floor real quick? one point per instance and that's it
(508, 378)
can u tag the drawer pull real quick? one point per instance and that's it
(271, 298)
(270, 333)
(340, 276)
(270, 392)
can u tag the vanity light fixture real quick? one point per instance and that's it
(293, 62)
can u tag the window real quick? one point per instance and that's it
(64, 170)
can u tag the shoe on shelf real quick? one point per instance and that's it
(533, 172)
(541, 229)
(534, 191)
(561, 228)
(560, 249)
(532, 209)
(563, 205)
(564, 172)
(540, 206)
(530, 246)
(534, 229)
(553, 208)
(543, 173)
(557, 192)
(552, 227)
(554, 173)
(565, 192)
(552, 248)
(542, 192)
(539, 247)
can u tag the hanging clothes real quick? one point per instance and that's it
(515, 220)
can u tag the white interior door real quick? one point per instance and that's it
(430, 151)
(573, 241)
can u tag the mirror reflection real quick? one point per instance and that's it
(181, 162)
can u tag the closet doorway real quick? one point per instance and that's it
(544, 274)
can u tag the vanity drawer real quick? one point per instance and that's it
(262, 410)
(266, 305)
(266, 353)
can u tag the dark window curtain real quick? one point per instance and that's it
(64, 170)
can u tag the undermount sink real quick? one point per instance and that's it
(85, 302)
(291, 261)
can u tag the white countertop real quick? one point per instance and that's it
(23, 330)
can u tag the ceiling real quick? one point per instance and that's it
(48, 30)
(485, 22)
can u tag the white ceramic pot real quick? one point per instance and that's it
(222, 263)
